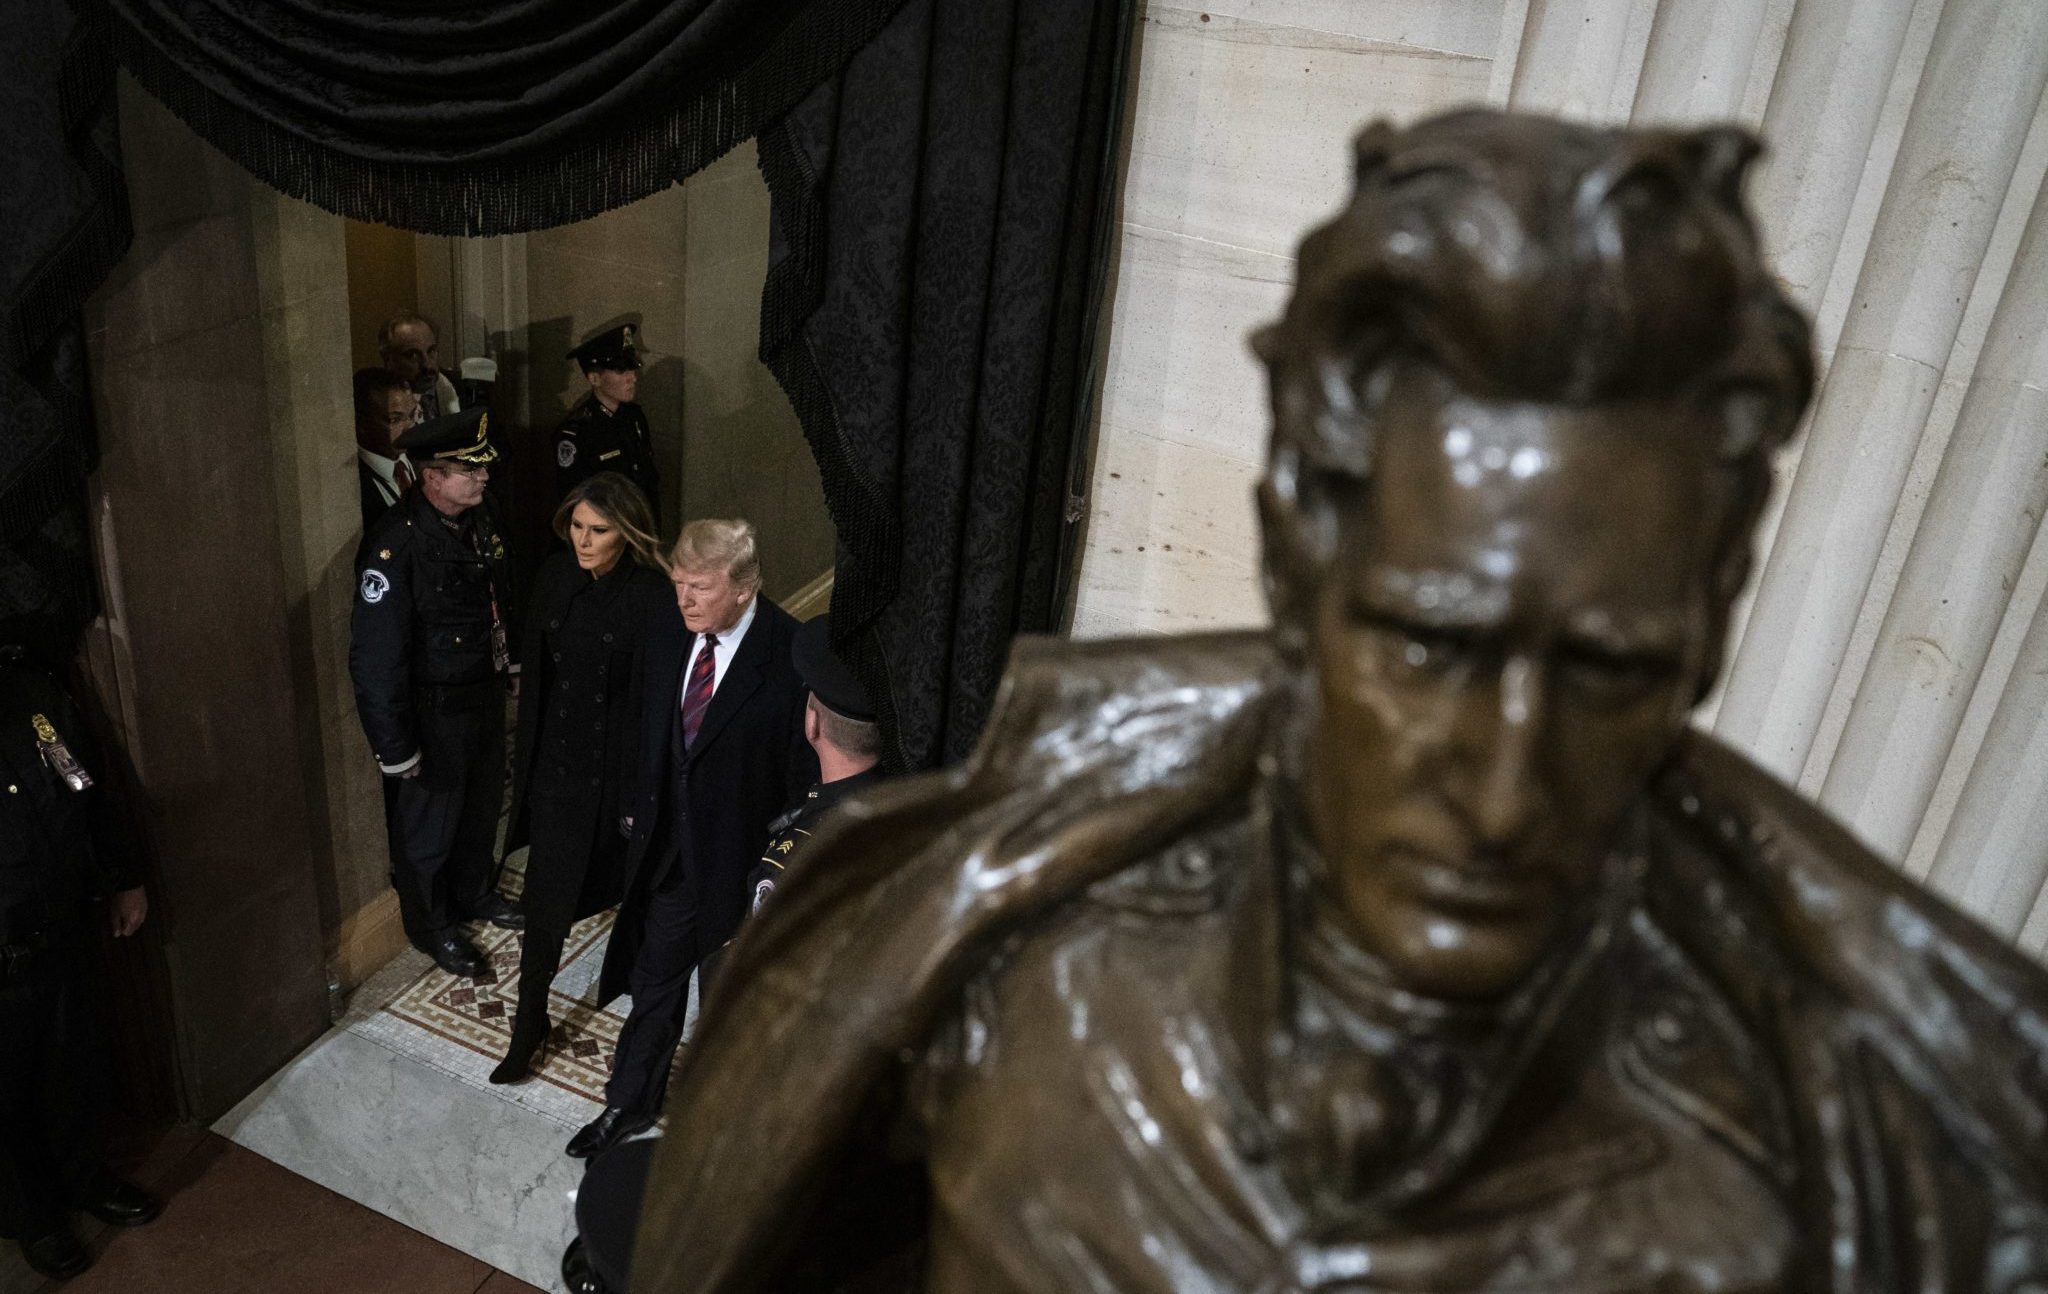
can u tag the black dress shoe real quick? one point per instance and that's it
(57, 1256)
(498, 910)
(122, 1204)
(454, 953)
(529, 1036)
(607, 1130)
(577, 1273)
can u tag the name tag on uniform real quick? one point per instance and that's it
(58, 755)
(610, 453)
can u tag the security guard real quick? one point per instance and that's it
(60, 853)
(429, 658)
(606, 431)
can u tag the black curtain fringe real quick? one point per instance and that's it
(614, 163)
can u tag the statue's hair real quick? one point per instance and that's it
(1534, 259)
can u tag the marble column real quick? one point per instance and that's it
(1825, 102)
(1698, 60)
(1994, 858)
(194, 653)
(1580, 58)
(1977, 97)
(1966, 556)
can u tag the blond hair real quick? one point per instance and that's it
(713, 544)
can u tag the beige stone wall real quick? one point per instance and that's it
(1239, 141)
(743, 452)
(687, 265)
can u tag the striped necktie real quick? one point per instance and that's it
(697, 696)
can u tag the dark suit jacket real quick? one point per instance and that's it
(750, 760)
(373, 502)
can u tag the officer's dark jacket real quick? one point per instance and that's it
(420, 631)
(59, 848)
(590, 441)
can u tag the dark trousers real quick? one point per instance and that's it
(444, 822)
(540, 956)
(660, 987)
(54, 1083)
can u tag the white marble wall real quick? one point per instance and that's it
(1239, 141)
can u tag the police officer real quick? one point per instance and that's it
(839, 722)
(60, 852)
(429, 658)
(606, 431)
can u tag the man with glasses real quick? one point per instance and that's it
(428, 655)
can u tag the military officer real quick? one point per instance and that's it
(607, 431)
(60, 854)
(429, 658)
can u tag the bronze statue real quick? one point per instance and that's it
(1416, 945)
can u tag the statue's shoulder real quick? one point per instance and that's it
(1830, 949)
(1108, 694)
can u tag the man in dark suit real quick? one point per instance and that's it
(386, 409)
(722, 752)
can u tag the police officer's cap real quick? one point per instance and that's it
(461, 437)
(827, 675)
(612, 348)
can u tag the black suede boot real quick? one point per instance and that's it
(529, 1036)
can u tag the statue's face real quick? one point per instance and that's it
(1505, 652)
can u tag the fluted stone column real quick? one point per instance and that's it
(1995, 856)
(1973, 537)
(1977, 97)
(1580, 58)
(1825, 102)
(1698, 60)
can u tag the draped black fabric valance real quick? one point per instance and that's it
(480, 118)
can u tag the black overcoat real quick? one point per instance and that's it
(749, 761)
(577, 739)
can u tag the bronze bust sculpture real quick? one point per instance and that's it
(1415, 945)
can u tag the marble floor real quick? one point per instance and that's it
(393, 1110)
(236, 1223)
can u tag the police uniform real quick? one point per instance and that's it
(429, 657)
(594, 439)
(60, 852)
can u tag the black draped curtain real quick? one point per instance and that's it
(941, 214)
(940, 173)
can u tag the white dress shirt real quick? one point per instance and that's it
(728, 643)
(384, 468)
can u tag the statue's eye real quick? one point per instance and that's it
(1420, 652)
(1613, 677)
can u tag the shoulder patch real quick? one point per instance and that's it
(375, 584)
(565, 451)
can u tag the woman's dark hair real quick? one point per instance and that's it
(620, 503)
(1533, 259)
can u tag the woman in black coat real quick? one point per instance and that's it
(577, 736)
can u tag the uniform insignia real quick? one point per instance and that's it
(565, 452)
(384, 554)
(609, 453)
(375, 585)
(763, 889)
(784, 846)
(58, 756)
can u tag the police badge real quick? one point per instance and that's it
(58, 756)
